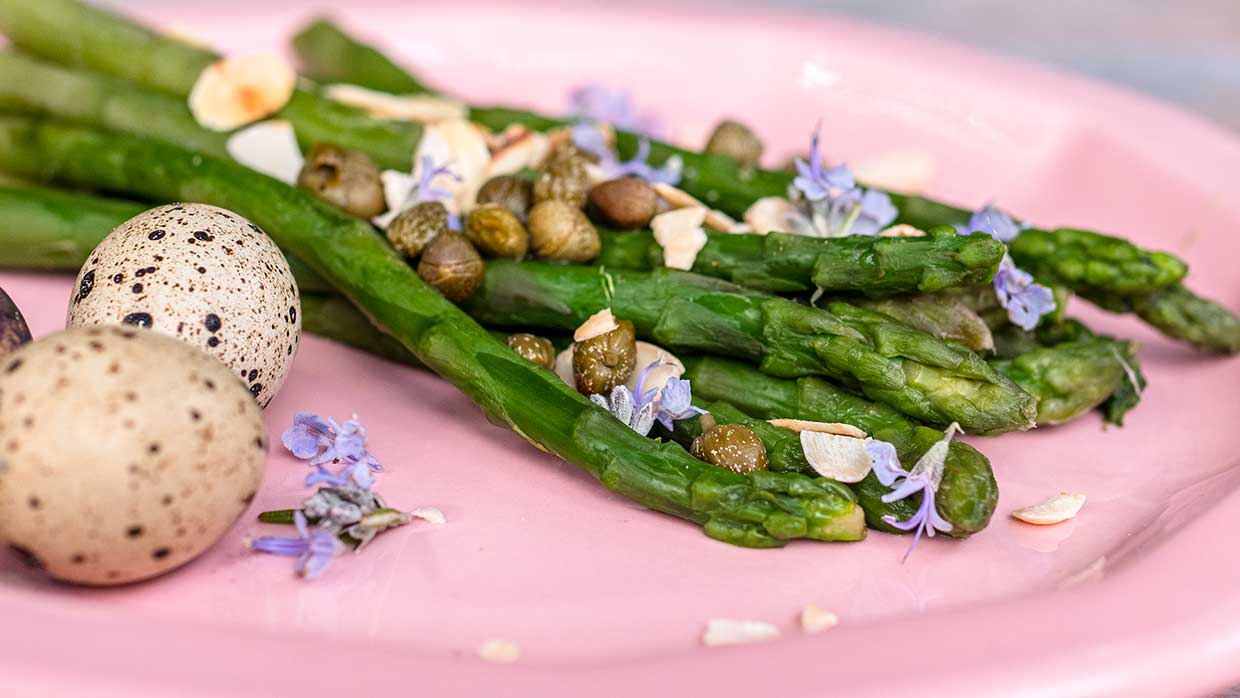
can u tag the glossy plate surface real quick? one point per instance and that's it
(1140, 595)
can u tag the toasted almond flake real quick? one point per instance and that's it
(647, 354)
(677, 199)
(721, 632)
(426, 109)
(233, 92)
(429, 515)
(462, 146)
(564, 367)
(502, 651)
(525, 151)
(679, 233)
(841, 458)
(903, 230)
(398, 189)
(909, 171)
(816, 620)
(597, 324)
(269, 147)
(1057, 509)
(768, 214)
(839, 428)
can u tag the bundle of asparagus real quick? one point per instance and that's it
(118, 96)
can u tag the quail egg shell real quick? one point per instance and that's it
(201, 274)
(123, 453)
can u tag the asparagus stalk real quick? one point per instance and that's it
(968, 493)
(329, 56)
(762, 510)
(938, 314)
(918, 374)
(1180, 314)
(787, 263)
(1070, 378)
(89, 38)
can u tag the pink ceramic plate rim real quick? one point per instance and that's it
(1164, 622)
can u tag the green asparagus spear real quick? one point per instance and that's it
(918, 374)
(938, 314)
(1180, 314)
(784, 262)
(1070, 378)
(84, 37)
(761, 510)
(968, 494)
(1086, 261)
(328, 56)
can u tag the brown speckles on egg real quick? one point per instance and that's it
(182, 265)
(96, 515)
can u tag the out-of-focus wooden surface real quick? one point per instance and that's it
(1186, 52)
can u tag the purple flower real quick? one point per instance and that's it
(925, 477)
(308, 436)
(994, 222)
(314, 550)
(356, 474)
(596, 102)
(318, 441)
(676, 403)
(622, 406)
(427, 191)
(589, 138)
(875, 213)
(817, 183)
(1025, 301)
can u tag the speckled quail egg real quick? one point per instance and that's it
(204, 275)
(123, 453)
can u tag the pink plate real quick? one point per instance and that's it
(1138, 596)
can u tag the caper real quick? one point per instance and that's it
(737, 141)
(625, 203)
(560, 231)
(603, 362)
(510, 191)
(452, 265)
(497, 232)
(563, 178)
(346, 179)
(535, 349)
(414, 228)
(732, 446)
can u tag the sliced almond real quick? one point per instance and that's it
(462, 146)
(679, 233)
(597, 324)
(564, 367)
(501, 651)
(426, 109)
(398, 190)
(269, 147)
(678, 199)
(648, 354)
(838, 428)
(769, 214)
(909, 171)
(903, 230)
(816, 620)
(841, 458)
(1057, 509)
(429, 515)
(233, 92)
(721, 632)
(528, 150)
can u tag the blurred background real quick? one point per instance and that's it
(1187, 52)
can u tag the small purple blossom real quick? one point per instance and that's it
(314, 550)
(597, 102)
(322, 441)
(622, 406)
(832, 203)
(1025, 301)
(427, 191)
(308, 436)
(674, 401)
(925, 477)
(590, 138)
(994, 222)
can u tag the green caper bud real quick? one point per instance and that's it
(346, 179)
(452, 265)
(565, 179)
(737, 141)
(537, 350)
(497, 231)
(732, 446)
(414, 228)
(510, 191)
(624, 203)
(561, 232)
(603, 362)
